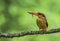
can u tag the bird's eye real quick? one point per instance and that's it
(41, 14)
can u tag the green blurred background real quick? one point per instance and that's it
(14, 18)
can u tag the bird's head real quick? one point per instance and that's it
(37, 14)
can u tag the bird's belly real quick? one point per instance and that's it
(41, 24)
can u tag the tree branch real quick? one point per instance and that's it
(28, 33)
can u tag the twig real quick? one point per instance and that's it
(28, 33)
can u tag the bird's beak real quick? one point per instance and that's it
(30, 13)
(33, 13)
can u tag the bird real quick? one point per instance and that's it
(41, 21)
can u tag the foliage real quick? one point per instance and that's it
(14, 18)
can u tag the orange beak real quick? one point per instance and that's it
(33, 13)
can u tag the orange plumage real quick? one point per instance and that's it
(41, 21)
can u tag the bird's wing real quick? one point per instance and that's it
(39, 22)
(46, 23)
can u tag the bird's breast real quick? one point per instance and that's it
(41, 22)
